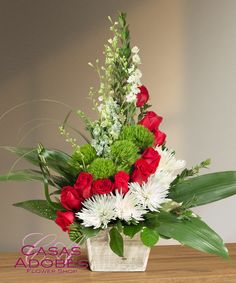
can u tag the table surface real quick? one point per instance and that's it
(167, 264)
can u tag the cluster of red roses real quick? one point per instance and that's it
(72, 197)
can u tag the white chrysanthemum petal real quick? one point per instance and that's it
(151, 195)
(98, 211)
(168, 162)
(128, 207)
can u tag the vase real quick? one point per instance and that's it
(102, 258)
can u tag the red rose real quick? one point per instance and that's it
(121, 182)
(142, 96)
(64, 219)
(141, 171)
(84, 184)
(151, 120)
(152, 157)
(70, 198)
(159, 137)
(103, 186)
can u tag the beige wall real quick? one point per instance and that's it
(189, 65)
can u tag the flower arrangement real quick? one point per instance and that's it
(124, 178)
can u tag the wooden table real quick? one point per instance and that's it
(167, 264)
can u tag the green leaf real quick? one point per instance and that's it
(131, 230)
(116, 242)
(75, 234)
(89, 232)
(152, 222)
(22, 175)
(149, 237)
(39, 207)
(56, 160)
(33, 175)
(206, 188)
(196, 234)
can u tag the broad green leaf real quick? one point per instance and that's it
(22, 175)
(149, 237)
(116, 242)
(56, 160)
(33, 175)
(196, 234)
(131, 230)
(206, 188)
(39, 207)
(152, 222)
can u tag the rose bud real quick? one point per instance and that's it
(160, 137)
(84, 184)
(70, 198)
(151, 120)
(152, 157)
(142, 96)
(103, 186)
(65, 219)
(141, 171)
(121, 182)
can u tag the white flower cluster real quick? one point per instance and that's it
(134, 79)
(99, 210)
(107, 129)
(154, 192)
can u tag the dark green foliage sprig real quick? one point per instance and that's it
(186, 173)
(121, 64)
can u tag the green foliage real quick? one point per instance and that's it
(82, 156)
(193, 233)
(33, 175)
(191, 172)
(206, 188)
(39, 207)
(124, 153)
(131, 230)
(79, 234)
(56, 160)
(116, 242)
(102, 168)
(75, 234)
(22, 175)
(149, 237)
(138, 134)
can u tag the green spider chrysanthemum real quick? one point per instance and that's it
(102, 168)
(138, 134)
(83, 156)
(124, 153)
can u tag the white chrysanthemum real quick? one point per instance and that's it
(151, 195)
(128, 207)
(98, 211)
(168, 162)
(162, 178)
